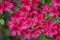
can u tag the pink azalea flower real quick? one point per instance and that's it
(18, 22)
(31, 2)
(57, 38)
(26, 2)
(26, 34)
(36, 2)
(25, 8)
(35, 33)
(8, 6)
(45, 9)
(50, 29)
(54, 11)
(29, 21)
(40, 17)
(56, 2)
(1, 8)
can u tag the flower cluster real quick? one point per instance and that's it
(30, 20)
(6, 6)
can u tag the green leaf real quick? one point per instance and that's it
(1, 16)
(0, 0)
(43, 1)
(7, 38)
(47, 16)
(49, 2)
(19, 4)
(1, 38)
(31, 39)
(7, 16)
(57, 20)
(6, 31)
(16, 9)
(43, 37)
(49, 38)
(1, 21)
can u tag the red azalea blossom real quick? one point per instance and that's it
(50, 28)
(55, 11)
(29, 20)
(56, 2)
(6, 6)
